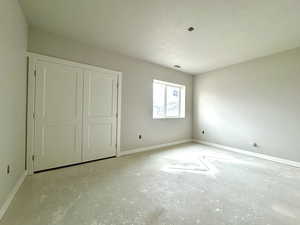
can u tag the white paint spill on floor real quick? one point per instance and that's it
(284, 210)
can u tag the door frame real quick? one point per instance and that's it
(31, 73)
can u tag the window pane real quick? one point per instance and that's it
(173, 102)
(182, 101)
(158, 100)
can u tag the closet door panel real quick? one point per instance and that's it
(99, 114)
(58, 110)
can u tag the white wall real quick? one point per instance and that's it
(13, 41)
(136, 92)
(256, 101)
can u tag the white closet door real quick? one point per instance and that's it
(58, 123)
(99, 114)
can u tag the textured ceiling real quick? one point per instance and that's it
(226, 31)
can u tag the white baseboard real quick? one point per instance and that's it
(128, 152)
(258, 155)
(12, 194)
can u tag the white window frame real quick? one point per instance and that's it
(182, 93)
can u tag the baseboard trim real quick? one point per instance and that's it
(153, 147)
(12, 194)
(254, 154)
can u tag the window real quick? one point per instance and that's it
(168, 100)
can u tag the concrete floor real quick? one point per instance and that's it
(187, 184)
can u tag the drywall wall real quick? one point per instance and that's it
(256, 101)
(136, 90)
(13, 41)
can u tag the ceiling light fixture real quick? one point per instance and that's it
(191, 29)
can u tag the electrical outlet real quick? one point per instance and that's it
(8, 169)
(140, 136)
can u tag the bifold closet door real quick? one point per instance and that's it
(58, 115)
(99, 114)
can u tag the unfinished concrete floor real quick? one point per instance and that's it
(186, 184)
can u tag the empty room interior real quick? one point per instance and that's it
(153, 112)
